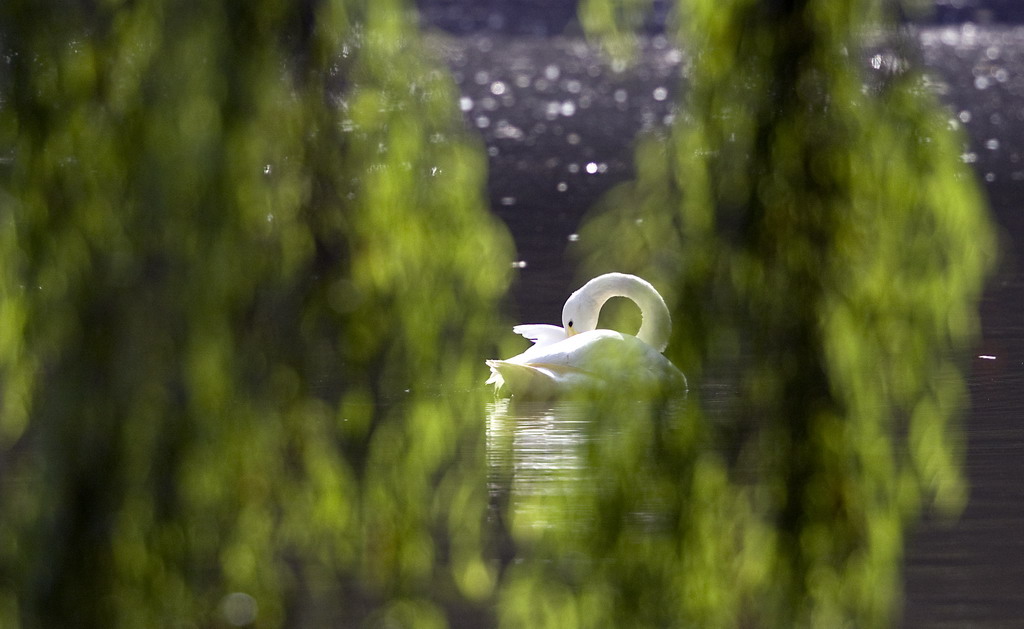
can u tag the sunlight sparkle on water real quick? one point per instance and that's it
(507, 131)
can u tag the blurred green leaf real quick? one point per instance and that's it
(243, 249)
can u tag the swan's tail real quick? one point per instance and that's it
(495, 377)
(535, 382)
(518, 380)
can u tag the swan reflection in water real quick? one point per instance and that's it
(536, 457)
(549, 462)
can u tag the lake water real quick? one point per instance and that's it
(559, 120)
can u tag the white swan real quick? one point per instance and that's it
(578, 358)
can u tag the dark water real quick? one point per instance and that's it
(970, 573)
(559, 122)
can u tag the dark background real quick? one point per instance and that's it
(555, 17)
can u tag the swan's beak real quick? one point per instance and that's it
(570, 331)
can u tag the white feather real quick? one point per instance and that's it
(569, 360)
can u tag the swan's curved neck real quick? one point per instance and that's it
(656, 322)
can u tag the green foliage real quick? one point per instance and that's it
(613, 24)
(232, 235)
(823, 241)
(245, 279)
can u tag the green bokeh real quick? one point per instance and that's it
(823, 249)
(248, 279)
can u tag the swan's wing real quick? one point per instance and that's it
(586, 362)
(608, 356)
(541, 333)
(581, 351)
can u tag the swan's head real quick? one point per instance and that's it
(581, 310)
(580, 313)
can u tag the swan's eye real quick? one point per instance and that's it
(570, 324)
